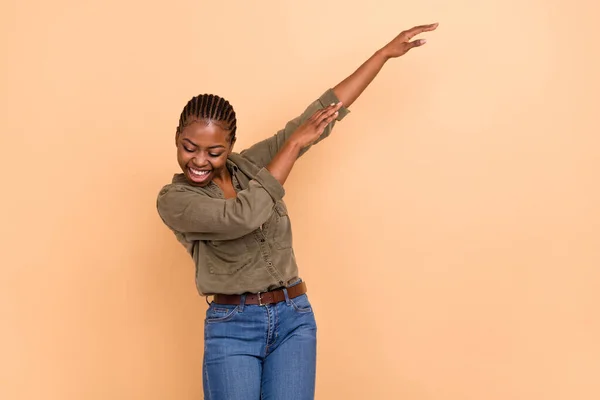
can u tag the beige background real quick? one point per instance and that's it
(449, 230)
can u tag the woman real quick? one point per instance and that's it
(227, 209)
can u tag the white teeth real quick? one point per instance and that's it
(198, 172)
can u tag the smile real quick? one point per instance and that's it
(199, 176)
(199, 172)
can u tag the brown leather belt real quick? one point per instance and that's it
(263, 298)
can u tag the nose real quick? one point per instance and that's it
(200, 161)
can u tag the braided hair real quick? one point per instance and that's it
(209, 108)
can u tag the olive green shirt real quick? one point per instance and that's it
(243, 244)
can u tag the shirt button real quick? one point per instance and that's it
(262, 240)
(281, 282)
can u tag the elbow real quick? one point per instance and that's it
(242, 226)
(240, 218)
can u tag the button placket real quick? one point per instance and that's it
(216, 190)
(236, 183)
(266, 255)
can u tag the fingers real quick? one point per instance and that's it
(325, 112)
(412, 32)
(327, 119)
(313, 128)
(415, 43)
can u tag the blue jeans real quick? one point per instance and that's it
(254, 352)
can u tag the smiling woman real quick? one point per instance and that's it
(227, 209)
(204, 139)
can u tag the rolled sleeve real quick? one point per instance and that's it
(263, 152)
(328, 98)
(270, 184)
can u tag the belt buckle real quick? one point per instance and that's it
(260, 299)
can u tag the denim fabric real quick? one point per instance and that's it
(254, 352)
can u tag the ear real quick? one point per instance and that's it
(176, 136)
(231, 145)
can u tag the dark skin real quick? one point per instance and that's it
(203, 146)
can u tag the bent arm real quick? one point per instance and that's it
(200, 217)
(263, 152)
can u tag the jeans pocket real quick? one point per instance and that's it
(301, 304)
(220, 313)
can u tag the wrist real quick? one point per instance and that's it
(382, 54)
(292, 146)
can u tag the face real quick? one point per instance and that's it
(202, 151)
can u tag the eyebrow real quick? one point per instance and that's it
(211, 147)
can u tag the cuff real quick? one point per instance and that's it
(329, 97)
(271, 185)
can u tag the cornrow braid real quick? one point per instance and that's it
(210, 108)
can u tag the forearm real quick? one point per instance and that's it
(201, 217)
(350, 88)
(281, 165)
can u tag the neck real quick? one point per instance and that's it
(223, 177)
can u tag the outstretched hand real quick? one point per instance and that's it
(402, 43)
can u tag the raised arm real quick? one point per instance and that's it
(279, 153)
(348, 90)
(263, 152)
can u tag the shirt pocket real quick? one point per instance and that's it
(282, 229)
(226, 257)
